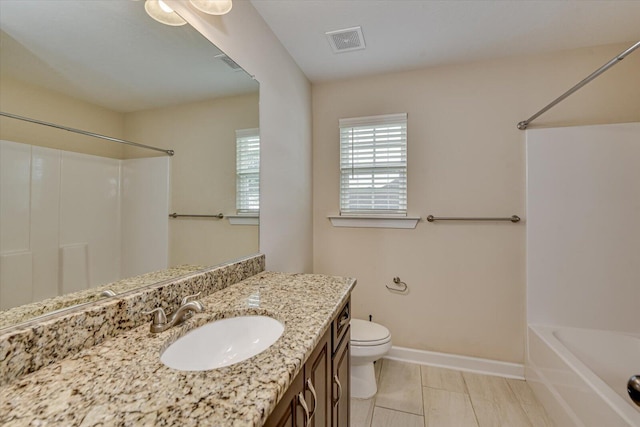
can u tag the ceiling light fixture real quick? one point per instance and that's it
(158, 10)
(213, 7)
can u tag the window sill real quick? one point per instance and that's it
(244, 219)
(374, 221)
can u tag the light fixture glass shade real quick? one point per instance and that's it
(213, 7)
(159, 11)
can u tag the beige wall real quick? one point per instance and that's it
(285, 130)
(46, 105)
(466, 158)
(202, 134)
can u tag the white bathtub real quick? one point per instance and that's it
(580, 375)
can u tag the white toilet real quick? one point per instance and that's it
(369, 342)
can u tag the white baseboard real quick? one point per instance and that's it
(457, 362)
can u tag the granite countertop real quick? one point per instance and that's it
(23, 313)
(123, 382)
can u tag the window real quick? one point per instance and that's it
(373, 165)
(248, 171)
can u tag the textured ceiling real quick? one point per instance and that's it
(407, 34)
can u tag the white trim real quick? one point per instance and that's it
(457, 362)
(361, 221)
(243, 219)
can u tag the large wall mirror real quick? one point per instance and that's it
(81, 215)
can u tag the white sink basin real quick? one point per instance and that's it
(222, 343)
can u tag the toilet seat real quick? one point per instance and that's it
(368, 334)
(370, 343)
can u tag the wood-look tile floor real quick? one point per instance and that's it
(412, 395)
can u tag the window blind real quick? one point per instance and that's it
(247, 171)
(373, 165)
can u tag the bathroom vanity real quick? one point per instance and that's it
(121, 380)
(324, 380)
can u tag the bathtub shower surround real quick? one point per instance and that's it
(66, 221)
(25, 349)
(580, 375)
(583, 238)
(583, 243)
(609, 355)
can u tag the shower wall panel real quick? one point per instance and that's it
(16, 257)
(61, 226)
(90, 215)
(45, 219)
(145, 220)
(583, 236)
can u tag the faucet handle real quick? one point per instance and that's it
(107, 293)
(186, 299)
(159, 318)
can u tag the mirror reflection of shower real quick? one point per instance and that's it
(80, 215)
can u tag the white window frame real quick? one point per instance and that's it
(247, 172)
(373, 150)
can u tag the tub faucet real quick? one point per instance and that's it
(633, 387)
(160, 323)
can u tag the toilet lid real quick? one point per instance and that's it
(368, 333)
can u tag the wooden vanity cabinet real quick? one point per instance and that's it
(340, 368)
(319, 395)
(341, 375)
(318, 376)
(307, 401)
(289, 413)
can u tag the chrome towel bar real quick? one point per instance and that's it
(431, 218)
(175, 215)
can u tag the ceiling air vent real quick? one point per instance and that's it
(230, 62)
(346, 40)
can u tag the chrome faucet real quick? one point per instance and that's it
(160, 322)
(107, 293)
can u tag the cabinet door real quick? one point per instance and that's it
(318, 383)
(289, 413)
(341, 383)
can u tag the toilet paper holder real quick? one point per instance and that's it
(402, 286)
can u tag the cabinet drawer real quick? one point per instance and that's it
(341, 324)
